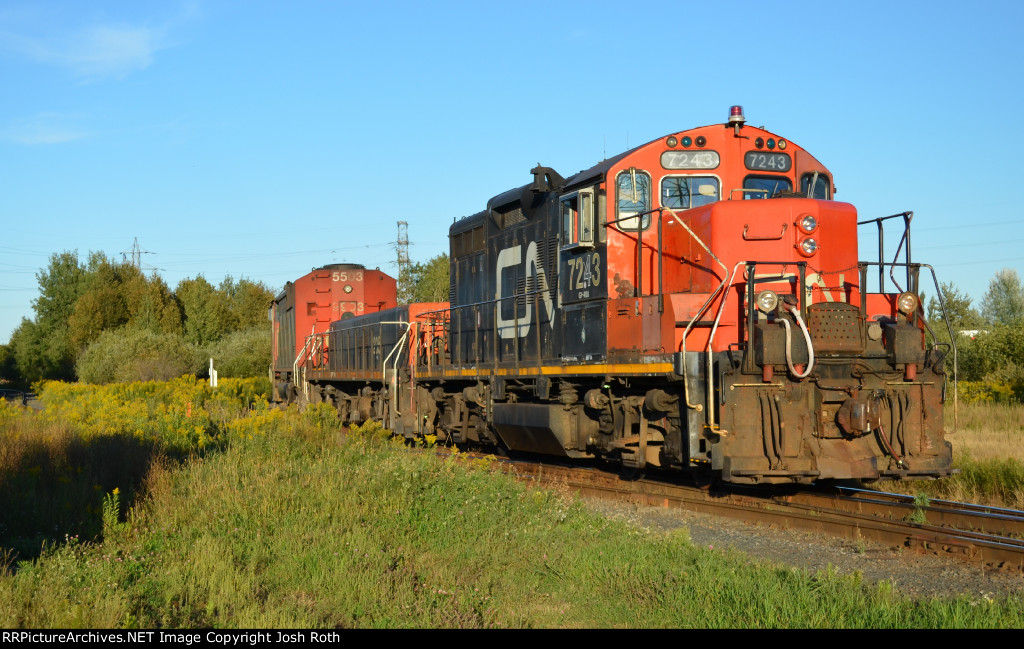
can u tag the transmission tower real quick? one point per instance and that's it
(136, 254)
(402, 246)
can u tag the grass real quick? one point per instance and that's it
(988, 431)
(301, 527)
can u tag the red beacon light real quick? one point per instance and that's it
(736, 118)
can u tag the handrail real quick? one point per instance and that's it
(905, 237)
(907, 217)
(448, 314)
(384, 363)
(301, 355)
(722, 288)
(942, 307)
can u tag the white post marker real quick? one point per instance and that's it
(213, 375)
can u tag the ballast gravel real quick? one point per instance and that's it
(915, 575)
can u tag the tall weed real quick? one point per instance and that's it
(57, 464)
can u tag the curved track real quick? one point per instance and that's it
(990, 536)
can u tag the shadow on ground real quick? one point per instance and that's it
(54, 490)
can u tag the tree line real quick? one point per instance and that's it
(102, 321)
(989, 336)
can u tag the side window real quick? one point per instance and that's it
(765, 186)
(577, 215)
(586, 229)
(685, 192)
(570, 212)
(633, 196)
(820, 184)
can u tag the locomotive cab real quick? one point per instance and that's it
(307, 307)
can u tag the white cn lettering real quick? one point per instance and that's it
(815, 279)
(513, 257)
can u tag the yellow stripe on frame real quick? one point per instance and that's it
(618, 368)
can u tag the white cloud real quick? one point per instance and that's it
(109, 51)
(44, 128)
(90, 53)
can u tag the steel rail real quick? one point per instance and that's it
(795, 511)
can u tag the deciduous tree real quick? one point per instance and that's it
(247, 303)
(206, 315)
(427, 282)
(1004, 301)
(43, 347)
(959, 312)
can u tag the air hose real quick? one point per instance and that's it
(789, 344)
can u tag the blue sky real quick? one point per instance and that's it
(262, 139)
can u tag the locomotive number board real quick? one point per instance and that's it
(763, 161)
(690, 159)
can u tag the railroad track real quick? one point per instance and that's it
(990, 536)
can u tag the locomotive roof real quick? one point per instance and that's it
(515, 194)
(582, 178)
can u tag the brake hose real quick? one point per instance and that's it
(789, 344)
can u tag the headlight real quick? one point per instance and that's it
(767, 301)
(807, 223)
(808, 246)
(907, 303)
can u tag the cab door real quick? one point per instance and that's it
(581, 278)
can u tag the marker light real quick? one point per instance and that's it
(671, 141)
(907, 303)
(808, 247)
(807, 223)
(687, 141)
(767, 301)
(782, 145)
(771, 143)
(759, 142)
(701, 140)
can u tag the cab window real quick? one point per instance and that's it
(577, 214)
(765, 186)
(685, 192)
(820, 184)
(633, 196)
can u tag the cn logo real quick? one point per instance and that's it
(508, 258)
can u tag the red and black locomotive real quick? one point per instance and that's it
(696, 302)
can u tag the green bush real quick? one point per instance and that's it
(131, 354)
(1002, 386)
(242, 354)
